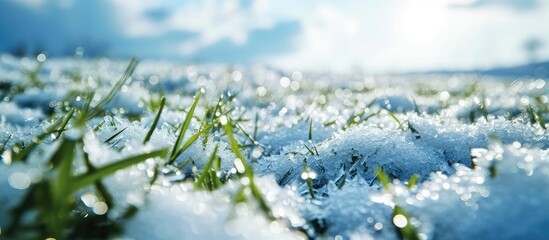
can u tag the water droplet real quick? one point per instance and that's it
(378, 226)
(19, 180)
(41, 57)
(223, 120)
(308, 174)
(261, 91)
(73, 134)
(239, 165)
(256, 153)
(100, 208)
(284, 82)
(89, 199)
(245, 181)
(236, 76)
(400, 221)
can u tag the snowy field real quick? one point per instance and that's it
(258, 153)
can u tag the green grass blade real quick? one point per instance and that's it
(354, 119)
(246, 134)
(155, 122)
(200, 182)
(21, 154)
(248, 172)
(255, 125)
(184, 127)
(308, 180)
(65, 122)
(396, 120)
(342, 183)
(59, 206)
(311, 130)
(383, 178)
(98, 126)
(309, 150)
(81, 120)
(407, 231)
(310, 186)
(416, 108)
(107, 197)
(87, 105)
(217, 107)
(542, 123)
(100, 173)
(370, 116)
(4, 144)
(192, 139)
(235, 148)
(98, 109)
(257, 195)
(115, 135)
(537, 118)
(62, 160)
(412, 181)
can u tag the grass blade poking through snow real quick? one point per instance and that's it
(155, 122)
(102, 172)
(208, 178)
(193, 138)
(383, 178)
(98, 109)
(81, 119)
(401, 221)
(243, 168)
(22, 153)
(537, 118)
(254, 142)
(311, 130)
(184, 128)
(311, 139)
(412, 181)
(115, 135)
(3, 147)
(400, 126)
(65, 122)
(308, 175)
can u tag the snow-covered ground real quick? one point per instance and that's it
(476, 144)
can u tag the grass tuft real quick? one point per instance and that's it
(99, 108)
(184, 128)
(248, 172)
(208, 179)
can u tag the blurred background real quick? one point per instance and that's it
(372, 36)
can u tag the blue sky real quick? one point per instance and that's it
(373, 35)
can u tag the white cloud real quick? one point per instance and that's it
(415, 35)
(213, 20)
(374, 35)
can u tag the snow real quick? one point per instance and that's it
(441, 127)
